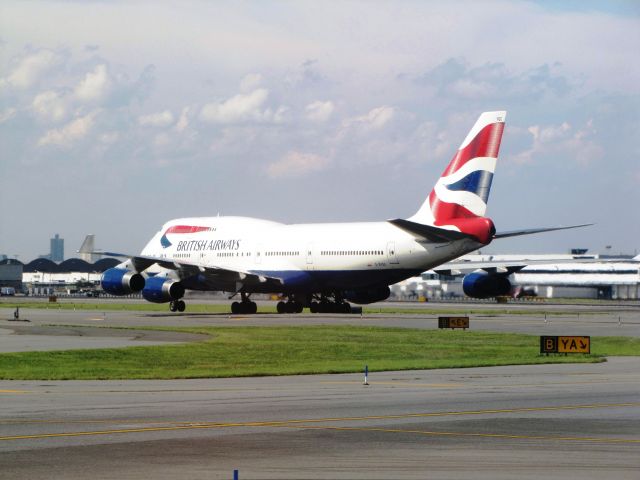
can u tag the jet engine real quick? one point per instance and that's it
(486, 285)
(364, 296)
(162, 289)
(119, 281)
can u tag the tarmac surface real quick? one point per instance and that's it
(556, 421)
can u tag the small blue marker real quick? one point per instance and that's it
(235, 475)
(366, 374)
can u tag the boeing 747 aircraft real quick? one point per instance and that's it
(324, 266)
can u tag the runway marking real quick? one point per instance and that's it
(14, 391)
(405, 384)
(459, 385)
(310, 423)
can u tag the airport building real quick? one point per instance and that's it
(45, 277)
(11, 272)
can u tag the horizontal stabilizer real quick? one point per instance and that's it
(428, 232)
(517, 233)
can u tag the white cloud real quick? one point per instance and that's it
(375, 119)
(49, 106)
(160, 119)
(161, 140)
(31, 68)
(7, 114)
(250, 82)
(468, 88)
(94, 85)
(279, 116)
(183, 121)
(561, 140)
(70, 133)
(240, 108)
(109, 137)
(297, 164)
(319, 111)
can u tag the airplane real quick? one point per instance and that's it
(324, 266)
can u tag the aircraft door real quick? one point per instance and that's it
(309, 255)
(392, 255)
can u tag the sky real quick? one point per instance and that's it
(118, 116)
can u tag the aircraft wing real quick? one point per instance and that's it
(186, 269)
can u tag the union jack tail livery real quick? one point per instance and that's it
(458, 201)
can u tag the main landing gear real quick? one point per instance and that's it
(246, 306)
(290, 306)
(332, 303)
(177, 306)
(328, 305)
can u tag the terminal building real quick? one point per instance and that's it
(45, 277)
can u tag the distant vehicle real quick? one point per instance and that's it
(324, 266)
(7, 291)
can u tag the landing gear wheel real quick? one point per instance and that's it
(181, 306)
(314, 307)
(173, 306)
(345, 307)
(281, 307)
(252, 307)
(236, 308)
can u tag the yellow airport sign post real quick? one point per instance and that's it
(565, 344)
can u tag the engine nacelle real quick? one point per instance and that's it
(485, 285)
(364, 296)
(162, 290)
(119, 281)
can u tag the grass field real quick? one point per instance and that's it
(256, 351)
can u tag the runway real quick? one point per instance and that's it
(558, 421)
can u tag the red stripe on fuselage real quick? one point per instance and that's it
(186, 229)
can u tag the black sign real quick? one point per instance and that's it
(453, 322)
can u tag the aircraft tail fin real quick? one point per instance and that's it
(459, 198)
(87, 248)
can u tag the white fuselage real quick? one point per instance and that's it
(305, 257)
